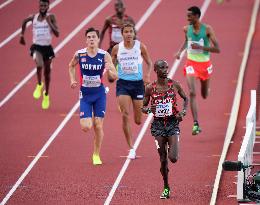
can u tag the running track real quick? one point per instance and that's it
(64, 174)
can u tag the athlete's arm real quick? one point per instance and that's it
(148, 61)
(51, 20)
(146, 99)
(213, 39)
(184, 45)
(25, 21)
(112, 73)
(114, 54)
(183, 96)
(103, 31)
(72, 68)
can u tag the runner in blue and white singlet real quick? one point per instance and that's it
(129, 55)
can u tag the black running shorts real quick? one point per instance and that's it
(46, 51)
(165, 127)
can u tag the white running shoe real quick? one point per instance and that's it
(132, 154)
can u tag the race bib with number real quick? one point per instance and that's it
(163, 109)
(91, 81)
(129, 67)
(195, 51)
(116, 35)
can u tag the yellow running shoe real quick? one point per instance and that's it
(45, 101)
(96, 159)
(38, 91)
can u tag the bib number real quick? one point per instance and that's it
(91, 81)
(163, 109)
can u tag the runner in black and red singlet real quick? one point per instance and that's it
(114, 23)
(165, 125)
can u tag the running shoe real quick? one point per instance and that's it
(45, 101)
(38, 91)
(132, 154)
(166, 193)
(196, 129)
(96, 159)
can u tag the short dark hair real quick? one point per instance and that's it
(160, 64)
(128, 25)
(91, 29)
(195, 10)
(46, 1)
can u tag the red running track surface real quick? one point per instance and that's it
(65, 175)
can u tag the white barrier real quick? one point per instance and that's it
(246, 151)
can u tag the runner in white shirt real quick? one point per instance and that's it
(43, 25)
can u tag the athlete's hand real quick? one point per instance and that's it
(178, 55)
(73, 84)
(196, 46)
(22, 41)
(146, 79)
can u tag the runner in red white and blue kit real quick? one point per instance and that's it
(93, 63)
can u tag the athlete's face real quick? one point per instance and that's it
(192, 19)
(119, 8)
(128, 33)
(92, 39)
(43, 7)
(162, 69)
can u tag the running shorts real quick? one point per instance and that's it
(93, 103)
(201, 70)
(165, 127)
(46, 51)
(134, 89)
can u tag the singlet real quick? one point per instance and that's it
(165, 102)
(202, 39)
(115, 30)
(91, 71)
(130, 62)
(41, 31)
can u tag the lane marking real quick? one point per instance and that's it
(236, 102)
(60, 46)
(63, 123)
(5, 3)
(40, 153)
(148, 119)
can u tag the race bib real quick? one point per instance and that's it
(116, 35)
(91, 81)
(163, 109)
(189, 70)
(129, 67)
(195, 51)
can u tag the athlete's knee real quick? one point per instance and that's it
(173, 159)
(85, 126)
(205, 93)
(192, 94)
(125, 114)
(98, 125)
(138, 120)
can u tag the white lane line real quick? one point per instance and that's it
(236, 102)
(39, 155)
(5, 3)
(147, 121)
(18, 31)
(61, 126)
(60, 46)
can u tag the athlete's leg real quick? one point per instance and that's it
(173, 150)
(38, 58)
(161, 143)
(47, 75)
(205, 88)
(137, 105)
(191, 80)
(124, 103)
(86, 123)
(99, 134)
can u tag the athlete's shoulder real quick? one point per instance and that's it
(101, 51)
(81, 51)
